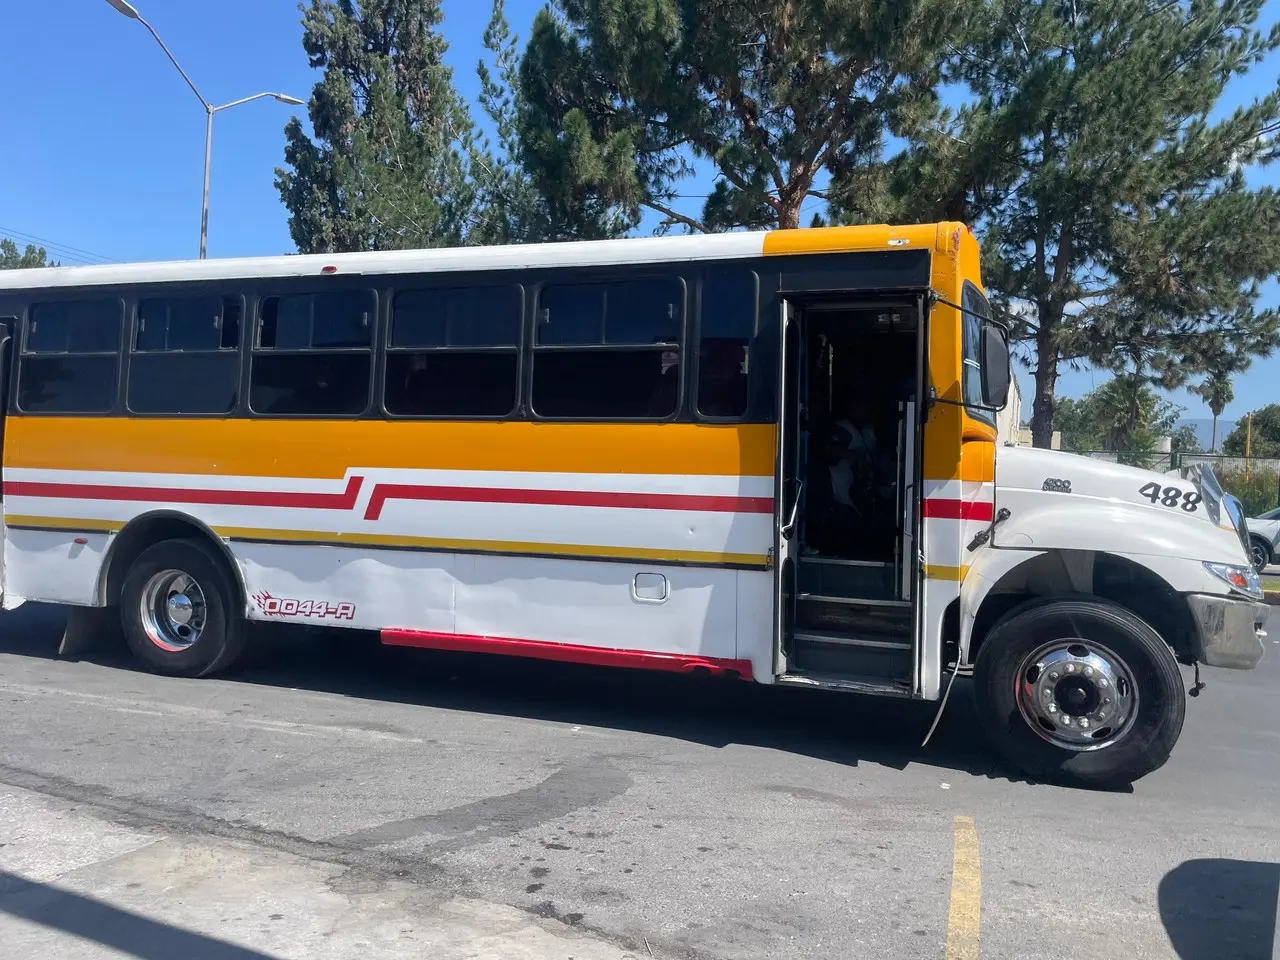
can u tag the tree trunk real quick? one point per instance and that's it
(789, 213)
(1213, 435)
(1046, 377)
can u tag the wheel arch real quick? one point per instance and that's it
(1002, 584)
(151, 528)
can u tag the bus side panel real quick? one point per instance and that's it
(755, 621)
(652, 608)
(54, 566)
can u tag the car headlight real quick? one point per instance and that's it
(1243, 579)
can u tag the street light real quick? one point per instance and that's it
(128, 10)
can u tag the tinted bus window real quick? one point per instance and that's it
(727, 325)
(313, 355)
(609, 351)
(454, 352)
(186, 358)
(70, 361)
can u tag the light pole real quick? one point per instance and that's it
(126, 8)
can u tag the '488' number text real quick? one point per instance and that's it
(1188, 500)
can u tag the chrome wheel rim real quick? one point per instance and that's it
(173, 610)
(1077, 694)
(1258, 556)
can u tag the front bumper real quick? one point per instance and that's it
(1228, 630)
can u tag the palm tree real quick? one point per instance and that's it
(1217, 392)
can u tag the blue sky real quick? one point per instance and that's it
(105, 144)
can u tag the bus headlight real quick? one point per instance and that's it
(1243, 579)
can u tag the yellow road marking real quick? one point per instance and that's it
(964, 919)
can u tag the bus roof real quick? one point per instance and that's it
(725, 246)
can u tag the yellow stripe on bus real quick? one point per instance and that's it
(75, 524)
(869, 237)
(325, 449)
(514, 547)
(933, 571)
(442, 545)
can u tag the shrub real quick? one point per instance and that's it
(1258, 493)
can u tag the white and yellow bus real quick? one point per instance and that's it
(770, 456)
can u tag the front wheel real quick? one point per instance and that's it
(1259, 553)
(176, 607)
(1079, 691)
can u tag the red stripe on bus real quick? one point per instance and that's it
(346, 500)
(383, 492)
(567, 652)
(942, 509)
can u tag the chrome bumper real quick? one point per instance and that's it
(1228, 630)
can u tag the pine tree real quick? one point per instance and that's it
(1114, 212)
(389, 165)
(509, 207)
(622, 99)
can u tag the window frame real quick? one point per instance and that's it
(134, 327)
(251, 349)
(612, 278)
(387, 348)
(695, 371)
(23, 352)
(968, 291)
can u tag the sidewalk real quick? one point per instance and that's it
(73, 887)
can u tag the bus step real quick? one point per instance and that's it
(824, 681)
(853, 601)
(853, 617)
(869, 656)
(842, 640)
(819, 576)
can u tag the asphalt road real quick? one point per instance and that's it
(675, 817)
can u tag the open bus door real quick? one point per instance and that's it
(788, 485)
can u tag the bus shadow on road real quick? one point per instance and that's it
(87, 919)
(837, 727)
(1213, 909)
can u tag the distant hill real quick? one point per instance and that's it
(1204, 429)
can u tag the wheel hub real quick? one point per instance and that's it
(1077, 694)
(173, 610)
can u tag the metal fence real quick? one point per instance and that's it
(1165, 461)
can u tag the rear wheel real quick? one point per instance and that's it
(177, 610)
(1079, 691)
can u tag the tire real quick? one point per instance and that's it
(1259, 553)
(1047, 718)
(212, 637)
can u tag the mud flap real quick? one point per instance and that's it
(90, 629)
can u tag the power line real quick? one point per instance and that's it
(63, 251)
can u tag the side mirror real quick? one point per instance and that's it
(993, 349)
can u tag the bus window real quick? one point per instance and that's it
(186, 357)
(454, 352)
(70, 358)
(609, 351)
(314, 354)
(727, 324)
(971, 328)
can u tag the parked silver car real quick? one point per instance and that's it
(1264, 539)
